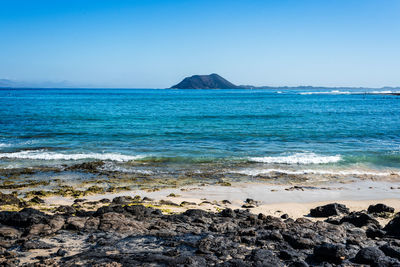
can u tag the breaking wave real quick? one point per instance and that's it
(338, 92)
(333, 92)
(43, 155)
(298, 158)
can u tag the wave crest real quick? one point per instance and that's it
(42, 155)
(298, 158)
(333, 92)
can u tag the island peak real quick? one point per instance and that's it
(211, 81)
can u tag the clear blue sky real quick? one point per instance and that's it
(155, 43)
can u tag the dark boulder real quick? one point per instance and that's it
(87, 166)
(139, 210)
(262, 217)
(247, 232)
(251, 201)
(23, 218)
(380, 208)
(369, 255)
(391, 251)
(288, 254)
(264, 257)
(37, 200)
(393, 227)
(61, 252)
(68, 210)
(374, 232)
(196, 213)
(206, 245)
(54, 224)
(297, 241)
(122, 200)
(228, 213)
(274, 235)
(187, 203)
(9, 199)
(329, 210)
(273, 223)
(85, 213)
(330, 252)
(333, 220)
(76, 223)
(359, 219)
(112, 208)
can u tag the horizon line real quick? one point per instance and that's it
(263, 87)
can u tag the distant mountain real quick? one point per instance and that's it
(5, 83)
(212, 81)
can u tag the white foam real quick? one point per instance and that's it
(333, 92)
(298, 158)
(43, 155)
(4, 145)
(255, 172)
(385, 92)
(382, 92)
(337, 92)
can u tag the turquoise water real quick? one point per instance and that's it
(244, 131)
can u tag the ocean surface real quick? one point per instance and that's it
(255, 133)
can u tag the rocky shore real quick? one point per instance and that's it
(129, 231)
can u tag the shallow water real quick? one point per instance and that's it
(248, 132)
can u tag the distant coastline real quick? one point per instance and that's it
(211, 81)
(215, 81)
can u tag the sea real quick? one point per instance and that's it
(254, 134)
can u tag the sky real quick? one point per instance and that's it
(156, 43)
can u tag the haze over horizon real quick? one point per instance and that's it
(155, 44)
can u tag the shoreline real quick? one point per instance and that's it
(294, 199)
(267, 193)
(272, 200)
